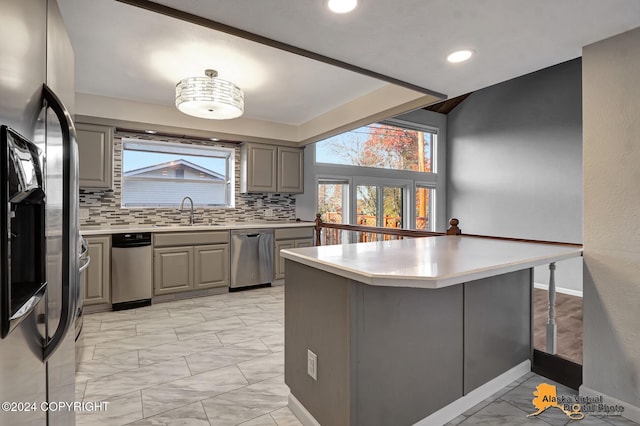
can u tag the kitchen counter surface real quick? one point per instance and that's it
(107, 230)
(432, 262)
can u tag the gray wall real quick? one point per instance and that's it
(611, 84)
(515, 162)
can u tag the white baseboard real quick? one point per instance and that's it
(630, 412)
(300, 412)
(460, 405)
(445, 414)
(568, 291)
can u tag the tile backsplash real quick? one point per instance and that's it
(102, 208)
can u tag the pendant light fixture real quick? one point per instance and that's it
(209, 97)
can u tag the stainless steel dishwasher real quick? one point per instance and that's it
(131, 270)
(251, 257)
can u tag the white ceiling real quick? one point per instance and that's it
(126, 52)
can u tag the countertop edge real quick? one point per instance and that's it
(428, 282)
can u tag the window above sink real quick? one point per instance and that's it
(160, 174)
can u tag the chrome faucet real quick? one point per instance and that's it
(182, 208)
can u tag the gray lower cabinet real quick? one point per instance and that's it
(95, 148)
(172, 270)
(96, 279)
(211, 266)
(289, 238)
(188, 261)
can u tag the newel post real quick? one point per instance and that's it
(318, 228)
(453, 229)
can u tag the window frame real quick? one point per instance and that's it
(410, 180)
(227, 154)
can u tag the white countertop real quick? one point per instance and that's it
(88, 231)
(431, 262)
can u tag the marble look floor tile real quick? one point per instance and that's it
(108, 316)
(265, 420)
(142, 341)
(274, 342)
(501, 413)
(159, 325)
(191, 389)
(284, 417)
(181, 348)
(263, 368)
(91, 326)
(256, 331)
(215, 314)
(165, 305)
(189, 415)
(84, 353)
(80, 387)
(593, 420)
(247, 403)
(247, 299)
(198, 330)
(618, 420)
(272, 306)
(133, 380)
(120, 410)
(228, 355)
(522, 396)
(93, 369)
(262, 317)
(456, 421)
(102, 336)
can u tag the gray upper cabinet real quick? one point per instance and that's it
(270, 168)
(95, 146)
(290, 176)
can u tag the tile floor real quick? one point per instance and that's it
(218, 360)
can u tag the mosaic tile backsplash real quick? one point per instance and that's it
(102, 208)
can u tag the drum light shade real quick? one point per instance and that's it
(209, 97)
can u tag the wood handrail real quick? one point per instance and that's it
(414, 233)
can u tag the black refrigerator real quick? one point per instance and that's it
(40, 250)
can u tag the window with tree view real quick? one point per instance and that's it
(381, 146)
(161, 174)
(392, 176)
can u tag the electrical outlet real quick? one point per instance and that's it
(312, 365)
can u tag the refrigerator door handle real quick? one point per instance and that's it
(28, 306)
(85, 265)
(69, 283)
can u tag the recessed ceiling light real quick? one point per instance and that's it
(342, 6)
(151, 132)
(460, 55)
(214, 139)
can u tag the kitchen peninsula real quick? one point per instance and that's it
(402, 329)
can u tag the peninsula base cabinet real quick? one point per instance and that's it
(190, 261)
(289, 238)
(96, 279)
